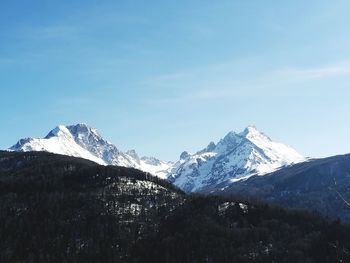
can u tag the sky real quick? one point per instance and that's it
(166, 76)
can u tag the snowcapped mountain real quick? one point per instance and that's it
(233, 158)
(83, 141)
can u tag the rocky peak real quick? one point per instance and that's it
(59, 131)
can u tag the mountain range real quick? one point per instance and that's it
(235, 157)
(247, 164)
(59, 208)
(80, 140)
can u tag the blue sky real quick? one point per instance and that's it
(166, 76)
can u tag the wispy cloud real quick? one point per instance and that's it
(220, 82)
(301, 74)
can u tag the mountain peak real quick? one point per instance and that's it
(229, 141)
(59, 131)
(133, 154)
(81, 140)
(211, 146)
(251, 128)
(81, 125)
(236, 156)
(82, 128)
(184, 155)
(252, 132)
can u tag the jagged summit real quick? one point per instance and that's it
(252, 133)
(184, 155)
(59, 131)
(81, 140)
(133, 154)
(236, 156)
(250, 129)
(83, 129)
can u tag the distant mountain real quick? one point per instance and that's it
(322, 185)
(233, 158)
(83, 141)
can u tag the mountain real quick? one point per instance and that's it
(321, 185)
(83, 141)
(57, 208)
(235, 157)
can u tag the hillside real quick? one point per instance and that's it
(213, 229)
(322, 185)
(55, 208)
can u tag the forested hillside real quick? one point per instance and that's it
(321, 185)
(61, 209)
(56, 208)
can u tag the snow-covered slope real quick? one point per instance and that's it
(83, 141)
(235, 157)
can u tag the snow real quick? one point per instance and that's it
(235, 157)
(62, 143)
(159, 168)
(244, 207)
(83, 141)
(222, 208)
